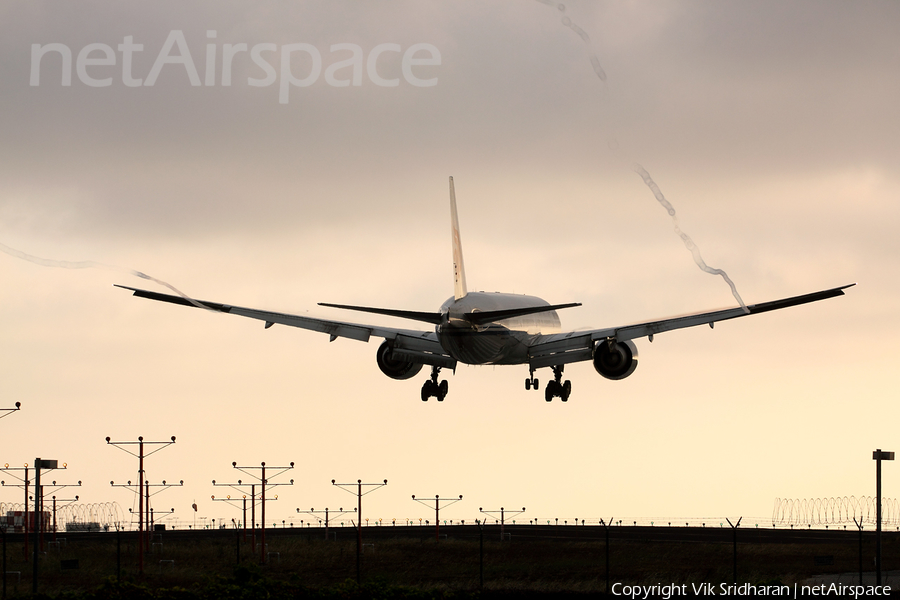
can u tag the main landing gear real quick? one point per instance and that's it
(557, 389)
(434, 389)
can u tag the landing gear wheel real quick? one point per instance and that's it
(552, 391)
(556, 388)
(531, 382)
(432, 388)
(566, 390)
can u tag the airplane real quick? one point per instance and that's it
(480, 328)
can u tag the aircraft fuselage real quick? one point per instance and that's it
(501, 342)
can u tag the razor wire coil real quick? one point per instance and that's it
(834, 511)
(102, 514)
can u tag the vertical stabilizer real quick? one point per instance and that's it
(459, 270)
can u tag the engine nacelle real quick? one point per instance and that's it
(393, 368)
(618, 362)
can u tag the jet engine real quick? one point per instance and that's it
(392, 367)
(617, 362)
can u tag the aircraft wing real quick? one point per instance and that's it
(423, 345)
(564, 348)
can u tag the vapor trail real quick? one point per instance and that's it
(90, 264)
(688, 242)
(595, 62)
(614, 147)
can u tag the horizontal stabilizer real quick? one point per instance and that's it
(428, 317)
(482, 318)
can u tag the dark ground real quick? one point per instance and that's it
(536, 559)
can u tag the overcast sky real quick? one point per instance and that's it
(771, 127)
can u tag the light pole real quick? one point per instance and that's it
(54, 487)
(38, 514)
(141, 455)
(264, 484)
(237, 486)
(437, 511)
(503, 516)
(232, 502)
(314, 512)
(878, 456)
(359, 494)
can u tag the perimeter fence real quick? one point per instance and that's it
(835, 511)
(76, 516)
(787, 512)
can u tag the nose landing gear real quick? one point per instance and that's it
(432, 388)
(557, 389)
(531, 382)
